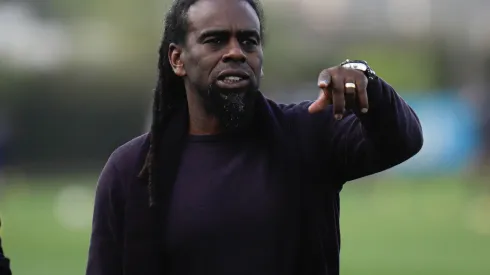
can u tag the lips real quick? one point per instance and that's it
(233, 79)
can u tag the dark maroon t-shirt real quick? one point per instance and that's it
(225, 212)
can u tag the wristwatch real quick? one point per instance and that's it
(360, 65)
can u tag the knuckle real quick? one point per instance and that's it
(335, 78)
(363, 80)
(334, 71)
(354, 73)
(324, 73)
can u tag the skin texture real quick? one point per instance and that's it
(223, 35)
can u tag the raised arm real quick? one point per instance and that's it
(367, 143)
(377, 131)
(105, 253)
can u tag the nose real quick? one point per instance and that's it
(234, 53)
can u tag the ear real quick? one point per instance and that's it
(261, 72)
(175, 58)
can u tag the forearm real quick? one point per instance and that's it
(387, 135)
(391, 125)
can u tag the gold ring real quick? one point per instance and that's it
(350, 85)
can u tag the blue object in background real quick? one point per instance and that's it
(450, 129)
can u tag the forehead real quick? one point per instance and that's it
(223, 15)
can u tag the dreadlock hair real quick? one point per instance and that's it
(170, 89)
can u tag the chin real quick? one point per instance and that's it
(234, 108)
(236, 112)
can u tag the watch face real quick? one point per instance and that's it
(356, 66)
(360, 65)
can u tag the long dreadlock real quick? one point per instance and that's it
(170, 88)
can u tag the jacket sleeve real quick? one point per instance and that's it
(387, 135)
(359, 145)
(4, 262)
(105, 252)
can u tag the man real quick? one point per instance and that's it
(4, 261)
(231, 182)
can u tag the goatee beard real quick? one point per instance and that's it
(234, 109)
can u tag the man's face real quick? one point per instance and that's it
(222, 58)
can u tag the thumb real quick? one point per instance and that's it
(320, 104)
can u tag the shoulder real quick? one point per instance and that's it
(297, 114)
(125, 163)
(289, 113)
(120, 171)
(291, 108)
(130, 151)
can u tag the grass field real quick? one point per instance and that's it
(432, 227)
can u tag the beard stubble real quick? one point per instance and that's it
(234, 109)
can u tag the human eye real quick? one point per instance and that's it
(215, 40)
(250, 42)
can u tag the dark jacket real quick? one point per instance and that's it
(318, 154)
(4, 261)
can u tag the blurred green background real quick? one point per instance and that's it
(76, 80)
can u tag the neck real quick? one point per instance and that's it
(200, 122)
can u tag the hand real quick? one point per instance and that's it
(344, 88)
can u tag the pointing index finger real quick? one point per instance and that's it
(324, 80)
